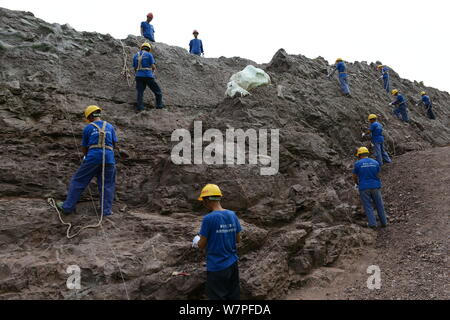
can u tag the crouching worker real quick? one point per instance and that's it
(219, 233)
(99, 140)
(365, 176)
(402, 107)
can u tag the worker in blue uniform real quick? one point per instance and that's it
(366, 177)
(402, 107)
(147, 30)
(426, 102)
(145, 66)
(196, 45)
(98, 143)
(219, 234)
(385, 76)
(341, 68)
(376, 132)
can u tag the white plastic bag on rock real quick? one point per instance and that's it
(246, 80)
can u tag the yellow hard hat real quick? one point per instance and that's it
(372, 116)
(339, 59)
(380, 66)
(394, 92)
(361, 151)
(210, 190)
(146, 45)
(423, 93)
(89, 110)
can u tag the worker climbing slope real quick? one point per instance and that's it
(343, 77)
(219, 233)
(98, 137)
(145, 66)
(385, 76)
(426, 102)
(147, 30)
(402, 107)
(366, 176)
(196, 45)
(376, 131)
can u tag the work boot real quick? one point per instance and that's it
(98, 210)
(59, 205)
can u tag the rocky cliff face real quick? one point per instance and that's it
(303, 218)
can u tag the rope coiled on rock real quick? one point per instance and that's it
(126, 73)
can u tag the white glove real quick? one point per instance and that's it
(356, 187)
(390, 104)
(417, 104)
(195, 241)
(363, 135)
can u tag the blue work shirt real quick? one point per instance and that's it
(340, 67)
(146, 62)
(220, 228)
(426, 100)
(367, 170)
(148, 31)
(91, 137)
(400, 100)
(196, 46)
(385, 72)
(376, 130)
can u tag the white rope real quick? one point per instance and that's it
(125, 70)
(52, 204)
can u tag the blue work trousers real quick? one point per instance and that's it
(81, 180)
(141, 84)
(386, 85)
(380, 153)
(370, 197)
(430, 112)
(402, 111)
(344, 83)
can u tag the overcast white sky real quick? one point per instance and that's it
(410, 36)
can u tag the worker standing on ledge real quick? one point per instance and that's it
(341, 68)
(365, 176)
(196, 45)
(147, 30)
(426, 101)
(376, 131)
(402, 107)
(385, 76)
(144, 65)
(219, 234)
(98, 137)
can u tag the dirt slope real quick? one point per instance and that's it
(413, 251)
(302, 219)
